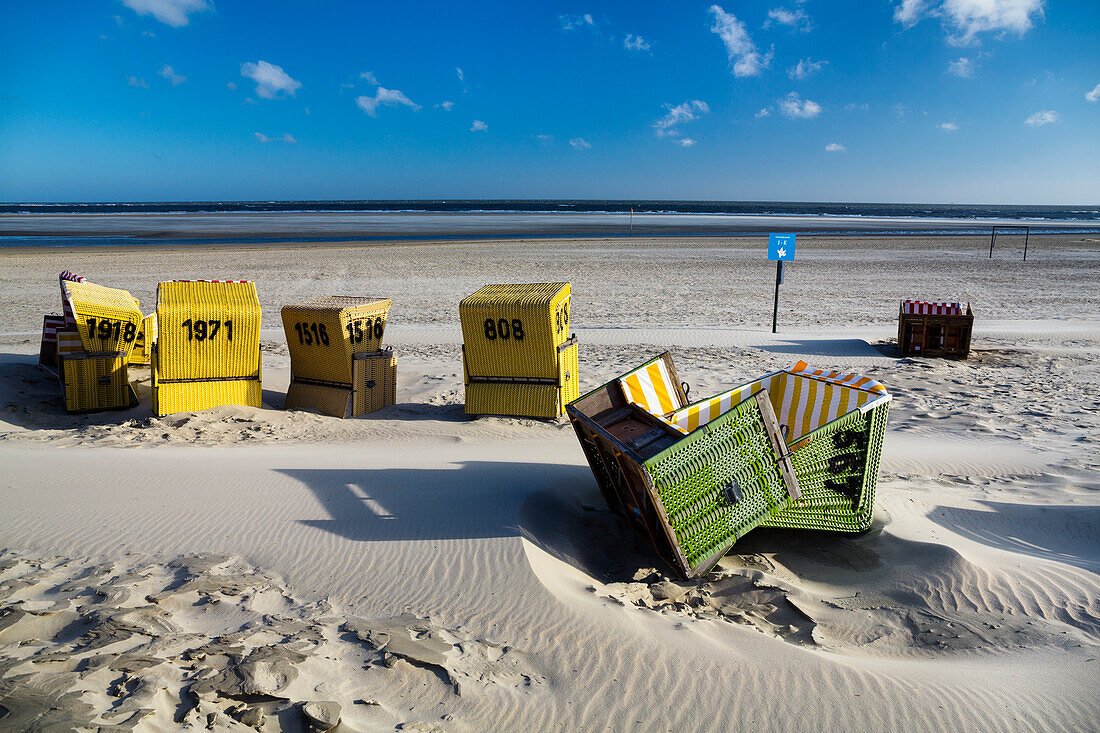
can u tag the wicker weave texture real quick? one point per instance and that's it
(108, 319)
(323, 335)
(374, 379)
(837, 467)
(332, 401)
(694, 478)
(527, 400)
(96, 383)
(147, 336)
(515, 330)
(208, 346)
(195, 396)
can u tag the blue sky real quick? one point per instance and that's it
(968, 101)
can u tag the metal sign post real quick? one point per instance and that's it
(780, 249)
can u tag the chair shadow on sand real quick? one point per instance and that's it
(1066, 534)
(472, 500)
(826, 348)
(31, 398)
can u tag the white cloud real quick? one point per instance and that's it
(963, 68)
(949, 126)
(900, 109)
(804, 68)
(369, 78)
(635, 43)
(976, 16)
(764, 112)
(447, 106)
(458, 72)
(135, 82)
(384, 97)
(286, 137)
(795, 108)
(1094, 95)
(170, 74)
(573, 22)
(742, 52)
(1043, 117)
(148, 34)
(544, 138)
(230, 85)
(680, 113)
(835, 148)
(270, 79)
(478, 126)
(967, 18)
(686, 142)
(909, 12)
(793, 18)
(169, 12)
(579, 143)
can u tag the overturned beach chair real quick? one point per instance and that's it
(834, 424)
(518, 356)
(934, 329)
(337, 363)
(207, 352)
(693, 492)
(105, 322)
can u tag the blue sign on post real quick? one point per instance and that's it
(780, 247)
(780, 250)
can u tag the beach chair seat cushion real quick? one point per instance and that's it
(652, 388)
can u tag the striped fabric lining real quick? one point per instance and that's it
(651, 388)
(50, 324)
(68, 341)
(919, 307)
(803, 398)
(691, 417)
(66, 307)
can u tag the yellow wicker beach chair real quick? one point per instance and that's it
(337, 363)
(518, 355)
(147, 336)
(106, 322)
(207, 352)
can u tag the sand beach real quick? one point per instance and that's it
(413, 569)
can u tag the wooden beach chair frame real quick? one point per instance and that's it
(943, 331)
(694, 493)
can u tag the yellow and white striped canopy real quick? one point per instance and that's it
(803, 398)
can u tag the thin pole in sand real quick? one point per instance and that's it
(1027, 233)
(992, 239)
(778, 280)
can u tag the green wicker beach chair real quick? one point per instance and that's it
(692, 493)
(833, 424)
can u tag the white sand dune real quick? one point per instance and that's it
(414, 569)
